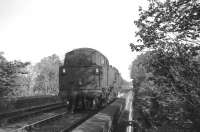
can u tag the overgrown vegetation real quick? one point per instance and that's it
(166, 78)
(10, 73)
(47, 75)
(23, 79)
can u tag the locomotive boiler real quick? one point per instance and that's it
(86, 80)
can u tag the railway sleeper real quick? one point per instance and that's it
(28, 113)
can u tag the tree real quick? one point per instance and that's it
(138, 71)
(26, 82)
(9, 73)
(169, 25)
(143, 90)
(170, 30)
(46, 81)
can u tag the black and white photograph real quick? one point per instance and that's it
(99, 65)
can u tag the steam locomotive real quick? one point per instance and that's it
(86, 80)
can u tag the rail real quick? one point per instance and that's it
(29, 127)
(10, 117)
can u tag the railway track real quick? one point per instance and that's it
(16, 115)
(57, 122)
(32, 126)
(62, 121)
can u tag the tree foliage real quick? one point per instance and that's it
(23, 79)
(9, 73)
(170, 30)
(26, 82)
(138, 71)
(169, 25)
(46, 80)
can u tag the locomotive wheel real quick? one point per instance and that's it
(83, 106)
(102, 101)
(70, 106)
(73, 104)
(87, 103)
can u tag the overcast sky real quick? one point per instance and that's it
(33, 29)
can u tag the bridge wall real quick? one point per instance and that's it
(105, 120)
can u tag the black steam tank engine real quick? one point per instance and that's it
(86, 80)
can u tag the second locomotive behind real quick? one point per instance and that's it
(87, 80)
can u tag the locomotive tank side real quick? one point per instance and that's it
(114, 81)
